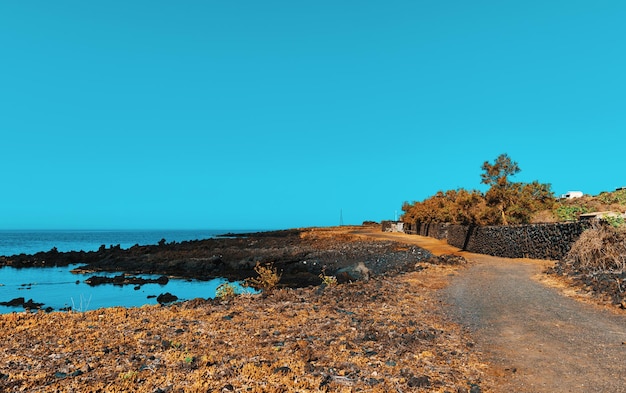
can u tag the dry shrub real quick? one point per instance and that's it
(267, 280)
(602, 248)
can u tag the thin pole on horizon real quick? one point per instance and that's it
(340, 217)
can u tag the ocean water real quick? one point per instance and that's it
(30, 242)
(58, 287)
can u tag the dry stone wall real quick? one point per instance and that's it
(538, 241)
(435, 229)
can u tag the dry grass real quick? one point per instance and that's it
(600, 249)
(384, 335)
(543, 216)
(335, 233)
(596, 265)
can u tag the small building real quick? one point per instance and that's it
(572, 195)
(393, 226)
(600, 215)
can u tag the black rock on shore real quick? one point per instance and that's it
(301, 255)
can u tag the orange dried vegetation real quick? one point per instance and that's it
(386, 334)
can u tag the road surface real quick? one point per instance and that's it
(537, 339)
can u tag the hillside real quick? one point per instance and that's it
(570, 209)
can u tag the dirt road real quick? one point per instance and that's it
(537, 339)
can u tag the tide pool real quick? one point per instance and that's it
(58, 288)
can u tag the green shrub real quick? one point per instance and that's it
(570, 212)
(613, 197)
(614, 221)
(226, 291)
(328, 281)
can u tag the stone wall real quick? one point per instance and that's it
(537, 241)
(437, 230)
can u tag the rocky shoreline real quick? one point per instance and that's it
(301, 255)
(384, 332)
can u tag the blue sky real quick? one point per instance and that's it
(278, 114)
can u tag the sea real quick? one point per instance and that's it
(60, 289)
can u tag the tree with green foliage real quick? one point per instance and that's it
(531, 198)
(505, 202)
(469, 207)
(511, 202)
(453, 206)
(502, 192)
(497, 174)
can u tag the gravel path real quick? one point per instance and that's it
(540, 340)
